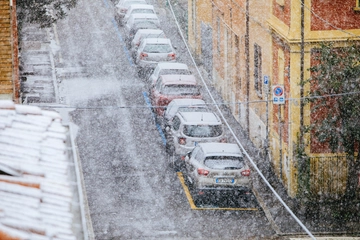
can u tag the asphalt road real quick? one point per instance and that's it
(133, 191)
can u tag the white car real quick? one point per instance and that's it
(217, 166)
(122, 6)
(138, 21)
(138, 8)
(182, 105)
(168, 68)
(152, 51)
(145, 33)
(188, 129)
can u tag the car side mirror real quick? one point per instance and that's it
(187, 156)
(167, 128)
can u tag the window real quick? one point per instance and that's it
(257, 70)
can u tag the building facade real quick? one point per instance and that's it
(259, 42)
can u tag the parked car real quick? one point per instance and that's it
(137, 8)
(152, 51)
(138, 21)
(188, 129)
(145, 33)
(182, 105)
(217, 166)
(168, 68)
(169, 87)
(122, 6)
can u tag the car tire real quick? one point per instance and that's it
(189, 181)
(169, 146)
(140, 72)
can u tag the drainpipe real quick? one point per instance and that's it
(247, 66)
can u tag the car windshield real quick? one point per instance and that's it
(174, 72)
(224, 162)
(180, 90)
(139, 10)
(157, 48)
(202, 130)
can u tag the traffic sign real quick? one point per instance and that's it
(266, 80)
(278, 94)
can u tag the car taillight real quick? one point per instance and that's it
(223, 140)
(143, 55)
(171, 56)
(246, 173)
(182, 141)
(163, 102)
(202, 171)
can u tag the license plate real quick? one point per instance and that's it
(225, 180)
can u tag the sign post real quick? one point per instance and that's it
(278, 94)
(266, 91)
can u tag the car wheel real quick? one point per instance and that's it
(140, 72)
(189, 181)
(169, 146)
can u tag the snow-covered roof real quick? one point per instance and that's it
(36, 182)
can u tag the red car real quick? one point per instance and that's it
(169, 87)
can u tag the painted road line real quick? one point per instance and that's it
(194, 207)
(148, 103)
(122, 41)
(187, 192)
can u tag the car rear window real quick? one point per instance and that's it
(224, 162)
(157, 48)
(139, 10)
(202, 130)
(180, 90)
(174, 72)
(194, 109)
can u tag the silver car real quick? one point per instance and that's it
(181, 105)
(145, 33)
(217, 166)
(152, 51)
(168, 68)
(137, 8)
(188, 129)
(122, 6)
(138, 21)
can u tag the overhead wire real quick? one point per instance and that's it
(234, 135)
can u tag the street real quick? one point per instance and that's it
(132, 190)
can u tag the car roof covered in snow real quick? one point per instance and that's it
(172, 65)
(222, 149)
(197, 118)
(178, 79)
